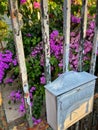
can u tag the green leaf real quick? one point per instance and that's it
(53, 61)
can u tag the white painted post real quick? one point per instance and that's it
(95, 44)
(83, 27)
(13, 6)
(46, 43)
(66, 33)
(45, 36)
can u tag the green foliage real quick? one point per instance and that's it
(3, 6)
(55, 15)
(53, 60)
(3, 30)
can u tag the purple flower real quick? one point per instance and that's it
(15, 96)
(9, 80)
(5, 61)
(18, 95)
(54, 34)
(42, 80)
(32, 89)
(12, 96)
(36, 121)
(75, 19)
(22, 108)
(14, 62)
(29, 35)
(89, 31)
(92, 25)
(60, 65)
(72, 34)
(23, 1)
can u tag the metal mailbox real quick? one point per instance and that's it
(69, 98)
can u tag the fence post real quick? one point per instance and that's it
(94, 53)
(95, 44)
(46, 43)
(45, 37)
(83, 27)
(13, 7)
(66, 33)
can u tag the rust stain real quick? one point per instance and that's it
(0, 99)
(12, 15)
(96, 96)
(26, 95)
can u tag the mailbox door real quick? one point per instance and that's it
(74, 105)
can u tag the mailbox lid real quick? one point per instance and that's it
(68, 81)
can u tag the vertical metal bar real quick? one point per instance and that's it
(13, 6)
(94, 53)
(83, 27)
(95, 44)
(77, 126)
(45, 36)
(46, 43)
(66, 33)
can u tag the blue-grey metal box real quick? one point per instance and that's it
(69, 98)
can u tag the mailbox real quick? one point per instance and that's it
(69, 98)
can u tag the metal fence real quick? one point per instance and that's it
(89, 121)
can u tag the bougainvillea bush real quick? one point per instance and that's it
(33, 47)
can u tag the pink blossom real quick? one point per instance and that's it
(23, 1)
(60, 65)
(36, 121)
(36, 5)
(42, 80)
(75, 19)
(72, 34)
(92, 25)
(32, 89)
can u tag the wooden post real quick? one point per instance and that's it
(83, 27)
(66, 33)
(45, 36)
(13, 6)
(95, 44)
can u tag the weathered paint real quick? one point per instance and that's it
(66, 33)
(45, 37)
(95, 44)
(68, 81)
(69, 98)
(20, 54)
(83, 27)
